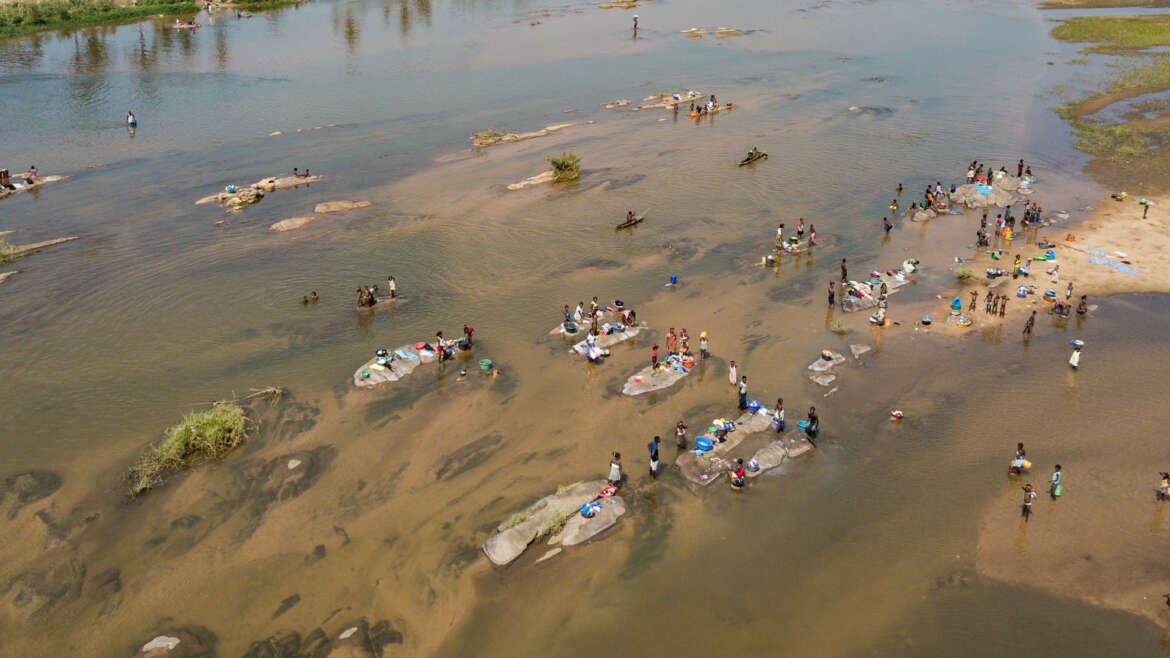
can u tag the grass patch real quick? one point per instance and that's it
(1116, 34)
(1155, 75)
(1078, 61)
(518, 518)
(207, 434)
(566, 167)
(1108, 142)
(556, 522)
(5, 252)
(27, 17)
(1102, 4)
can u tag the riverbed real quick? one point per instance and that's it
(890, 531)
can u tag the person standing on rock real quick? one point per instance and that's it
(654, 356)
(1020, 169)
(732, 374)
(615, 469)
(653, 448)
(1029, 324)
(970, 174)
(392, 286)
(778, 416)
(671, 342)
(743, 391)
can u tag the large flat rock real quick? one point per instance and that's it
(579, 529)
(398, 368)
(609, 340)
(510, 540)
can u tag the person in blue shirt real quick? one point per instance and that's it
(1055, 489)
(653, 448)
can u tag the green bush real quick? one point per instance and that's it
(207, 434)
(566, 168)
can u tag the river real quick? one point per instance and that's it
(869, 547)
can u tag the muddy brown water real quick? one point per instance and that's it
(907, 535)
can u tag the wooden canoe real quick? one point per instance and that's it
(750, 159)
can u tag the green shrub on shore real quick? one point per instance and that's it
(566, 168)
(207, 434)
(5, 252)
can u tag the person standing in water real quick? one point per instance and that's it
(814, 423)
(1029, 324)
(832, 293)
(812, 235)
(844, 271)
(1074, 359)
(743, 391)
(704, 346)
(886, 225)
(653, 448)
(1029, 498)
(131, 120)
(680, 435)
(732, 374)
(1017, 467)
(778, 415)
(615, 469)
(1054, 487)
(800, 228)
(974, 300)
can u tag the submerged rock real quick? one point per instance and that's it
(609, 340)
(25, 249)
(824, 365)
(19, 185)
(1000, 194)
(292, 223)
(859, 349)
(793, 444)
(823, 379)
(653, 379)
(247, 195)
(340, 206)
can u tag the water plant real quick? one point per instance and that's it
(566, 167)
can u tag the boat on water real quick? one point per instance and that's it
(631, 222)
(753, 158)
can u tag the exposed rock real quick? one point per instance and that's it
(824, 365)
(722, 32)
(291, 223)
(707, 467)
(923, 215)
(406, 359)
(544, 177)
(25, 249)
(1000, 194)
(792, 445)
(551, 554)
(293, 463)
(340, 206)
(165, 642)
(510, 540)
(579, 529)
(249, 194)
(485, 138)
(670, 100)
(4, 276)
(21, 186)
(609, 340)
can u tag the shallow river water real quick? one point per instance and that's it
(888, 540)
